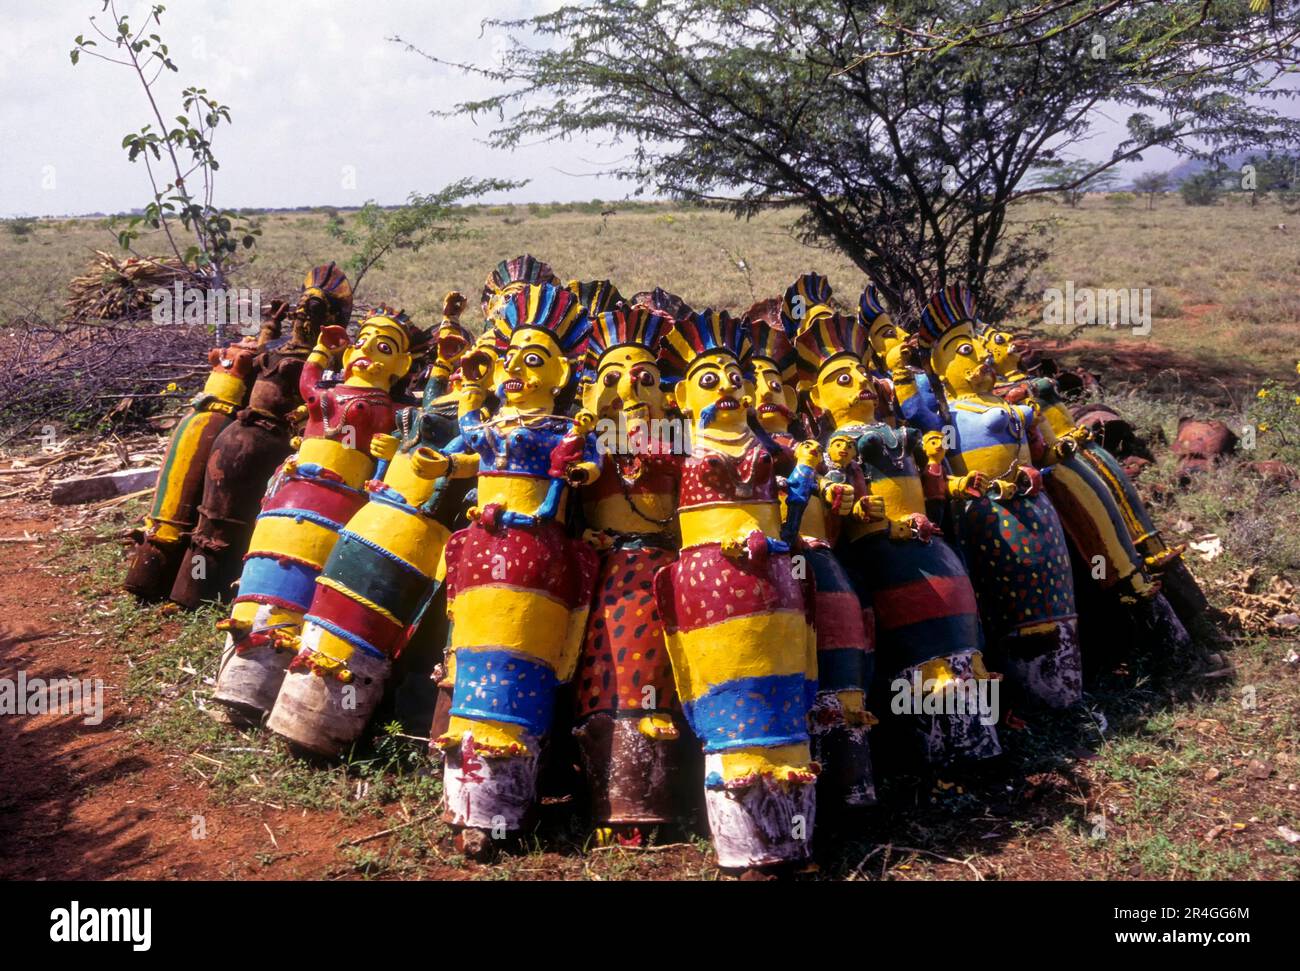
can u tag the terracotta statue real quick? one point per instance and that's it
(814, 506)
(376, 586)
(450, 342)
(519, 587)
(734, 613)
(315, 492)
(890, 355)
(249, 450)
(626, 701)
(1101, 512)
(927, 632)
(1013, 541)
(160, 547)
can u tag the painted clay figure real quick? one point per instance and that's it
(249, 450)
(449, 344)
(626, 700)
(927, 631)
(380, 578)
(734, 614)
(1013, 541)
(161, 545)
(890, 354)
(311, 497)
(843, 626)
(1103, 515)
(518, 586)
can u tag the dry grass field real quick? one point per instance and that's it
(1175, 766)
(1225, 280)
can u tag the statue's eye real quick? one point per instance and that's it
(845, 379)
(999, 339)
(709, 379)
(533, 360)
(736, 378)
(647, 378)
(966, 350)
(611, 378)
(385, 347)
(776, 384)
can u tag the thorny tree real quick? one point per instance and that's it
(904, 129)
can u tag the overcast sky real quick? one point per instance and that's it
(313, 87)
(326, 111)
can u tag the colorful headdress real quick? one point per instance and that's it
(949, 307)
(829, 336)
(663, 301)
(550, 308)
(625, 327)
(523, 270)
(397, 322)
(598, 296)
(706, 332)
(768, 338)
(808, 297)
(870, 306)
(331, 285)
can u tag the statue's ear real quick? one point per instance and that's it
(404, 362)
(815, 396)
(566, 373)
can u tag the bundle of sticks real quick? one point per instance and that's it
(122, 290)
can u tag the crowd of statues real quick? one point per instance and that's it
(693, 550)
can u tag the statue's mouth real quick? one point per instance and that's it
(728, 404)
(512, 386)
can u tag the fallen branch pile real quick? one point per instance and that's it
(121, 291)
(76, 378)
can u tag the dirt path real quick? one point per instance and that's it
(94, 802)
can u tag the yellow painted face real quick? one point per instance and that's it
(932, 444)
(715, 380)
(379, 356)
(841, 451)
(962, 361)
(450, 347)
(844, 390)
(627, 380)
(885, 337)
(771, 394)
(534, 369)
(1002, 346)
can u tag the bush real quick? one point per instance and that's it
(21, 226)
(1122, 198)
(1201, 190)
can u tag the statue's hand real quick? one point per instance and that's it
(428, 464)
(383, 447)
(332, 339)
(870, 509)
(973, 483)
